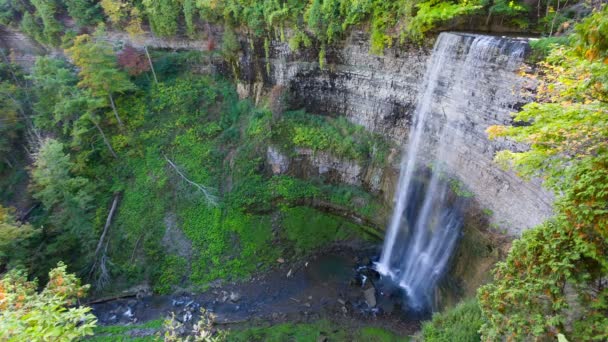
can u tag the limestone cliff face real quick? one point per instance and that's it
(380, 93)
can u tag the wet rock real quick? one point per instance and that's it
(278, 162)
(370, 297)
(128, 313)
(235, 297)
(216, 283)
(187, 317)
(177, 302)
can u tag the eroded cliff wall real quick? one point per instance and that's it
(380, 93)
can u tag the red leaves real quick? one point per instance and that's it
(133, 61)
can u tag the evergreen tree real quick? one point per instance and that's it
(99, 70)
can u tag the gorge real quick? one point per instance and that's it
(312, 170)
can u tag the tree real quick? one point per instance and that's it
(11, 116)
(67, 197)
(163, 16)
(554, 279)
(12, 236)
(52, 28)
(28, 315)
(61, 104)
(10, 10)
(84, 12)
(15, 122)
(116, 10)
(54, 82)
(99, 70)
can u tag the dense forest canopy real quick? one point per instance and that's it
(324, 21)
(95, 128)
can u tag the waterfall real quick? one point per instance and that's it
(426, 224)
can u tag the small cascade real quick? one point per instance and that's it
(426, 223)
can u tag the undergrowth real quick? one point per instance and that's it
(248, 217)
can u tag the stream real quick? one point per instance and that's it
(337, 284)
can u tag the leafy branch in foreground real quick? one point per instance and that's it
(28, 315)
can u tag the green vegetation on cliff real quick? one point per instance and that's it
(185, 160)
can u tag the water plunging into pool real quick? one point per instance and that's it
(426, 222)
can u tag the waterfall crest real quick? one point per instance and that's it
(426, 224)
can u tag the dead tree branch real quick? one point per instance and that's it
(99, 264)
(210, 198)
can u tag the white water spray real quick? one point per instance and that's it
(425, 225)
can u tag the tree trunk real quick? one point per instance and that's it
(105, 140)
(115, 111)
(99, 268)
(107, 225)
(151, 65)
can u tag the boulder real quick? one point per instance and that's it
(370, 297)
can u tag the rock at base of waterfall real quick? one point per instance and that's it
(235, 297)
(370, 297)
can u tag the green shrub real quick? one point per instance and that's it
(458, 324)
(334, 135)
(172, 270)
(308, 229)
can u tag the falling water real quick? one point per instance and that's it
(426, 225)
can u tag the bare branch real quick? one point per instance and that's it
(211, 199)
(99, 264)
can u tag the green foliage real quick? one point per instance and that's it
(163, 16)
(13, 235)
(308, 229)
(511, 10)
(84, 12)
(334, 135)
(211, 137)
(27, 315)
(32, 26)
(121, 330)
(53, 82)
(460, 189)
(430, 13)
(51, 27)
(557, 269)
(15, 108)
(543, 46)
(312, 332)
(458, 324)
(230, 45)
(189, 13)
(172, 270)
(66, 196)
(10, 10)
(99, 70)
